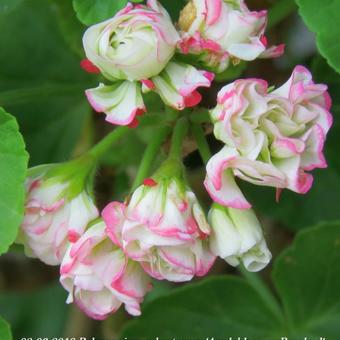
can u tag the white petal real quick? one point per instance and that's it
(121, 102)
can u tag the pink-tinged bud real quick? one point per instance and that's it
(237, 237)
(121, 102)
(135, 44)
(272, 138)
(217, 31)
(89, 67)
(164, 229)
(149, 182)
(177, 85)
(99, 277)
(56, 214)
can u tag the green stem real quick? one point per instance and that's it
(150, 154)
(280, 11)
(262, 289)
(180, 131)
(200, 117)
(104, 145)
(202, 143)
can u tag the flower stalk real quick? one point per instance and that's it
(150, 154)
(100, 149)
(202, 143)
(180, 132)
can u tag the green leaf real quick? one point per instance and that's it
(6, 6)
(323, 19)
(307, 278)
(217, 307)
(90, 12)
(43, 84)
(13, 165)
(37, 314)
(5, 331)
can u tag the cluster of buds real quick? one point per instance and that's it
(160, 231)
(136, 51)
(224, 32)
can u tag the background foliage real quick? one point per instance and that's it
(41, 88)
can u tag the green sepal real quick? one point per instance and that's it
(77, 175)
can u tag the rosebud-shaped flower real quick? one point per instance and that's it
(135, 44)
(237, 236)
(272, 138)
(57, 211)
(133, 49)
(99, 277)
(222, 30)
(163, 228)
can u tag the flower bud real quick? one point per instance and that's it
(272, 138)
(135, 44)
(237, 237)
(177, 85)
(121, 102)
(218, 31)
(58, 209)
(164, 228)
(99, 277)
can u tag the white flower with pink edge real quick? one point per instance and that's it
(99, 277)
(220, 31)
(135, 44)
(164, 229)
(53, 218)
(272, 138)
(237, 237)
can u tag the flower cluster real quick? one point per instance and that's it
(134, 50)
(160, 231)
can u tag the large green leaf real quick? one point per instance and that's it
(41, 82)
(323, 19)
(13, 165)
(91, 12)
(307, 277)
(217, 307)
(5, 331)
